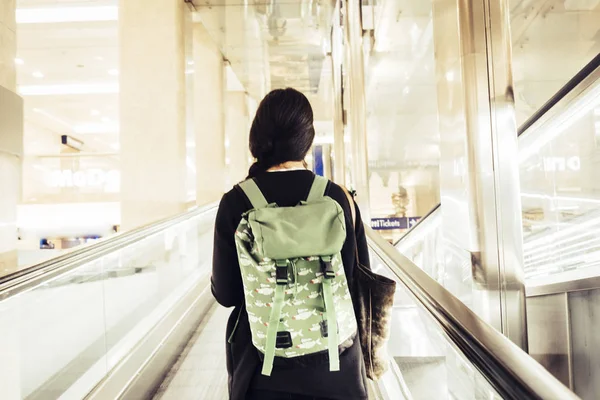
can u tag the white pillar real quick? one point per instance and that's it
(337, 58)
(479, 176)
(358, 110)
(11, 158)
(152, 109)
(209, 118)
(11, 139)
(237, 128)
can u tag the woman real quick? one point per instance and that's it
(281, 135)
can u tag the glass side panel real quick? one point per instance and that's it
(446, 263)
(61, 337)
(552, 41)
(402, 116)
(560, 197)
(560, 190)
(424, 354)
(152, 280)
(54, 335)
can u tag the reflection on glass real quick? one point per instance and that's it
(62, 336)
(68, 178)
(424, 354)
(560, 198)
(560, 190)
(552, 41)
(402, 115)
(439, 258)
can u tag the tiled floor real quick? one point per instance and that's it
(200, 372)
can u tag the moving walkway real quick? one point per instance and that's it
(132, 316)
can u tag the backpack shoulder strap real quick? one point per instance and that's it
(253, 193)
(351, 204)
(318, 188)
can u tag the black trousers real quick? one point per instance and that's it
(268, 395)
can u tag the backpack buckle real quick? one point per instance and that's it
(327, 267)
(281, 272)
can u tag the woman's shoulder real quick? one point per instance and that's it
(233, 204)
(337, 192)
(236, 200)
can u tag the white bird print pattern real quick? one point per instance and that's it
(308, 344)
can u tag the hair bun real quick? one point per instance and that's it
(282, 129)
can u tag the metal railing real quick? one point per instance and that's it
(33, 275)
(509, 370)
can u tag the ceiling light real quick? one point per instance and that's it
(406, 90)
(190, 63)
(19, 61)
(450, 76)
(45, 90)
(113, 72)
(190, 164)
(94, 113)
(66, 14)
(99, 58)
(189, 71)
(37, 74)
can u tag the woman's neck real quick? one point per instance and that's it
(288, 165)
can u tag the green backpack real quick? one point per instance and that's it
(295, 286)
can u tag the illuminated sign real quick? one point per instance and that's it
(552, 164)
(394, 223)
(107, 181)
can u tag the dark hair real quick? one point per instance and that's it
(282, 129)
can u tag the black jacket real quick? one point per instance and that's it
(286, 188)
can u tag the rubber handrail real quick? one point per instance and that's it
(509, 370)
(22, 279)
(561, 94)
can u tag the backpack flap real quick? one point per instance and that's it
(316, 228)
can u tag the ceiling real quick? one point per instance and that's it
(67, 73)
(272, 44)
(275, 44)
